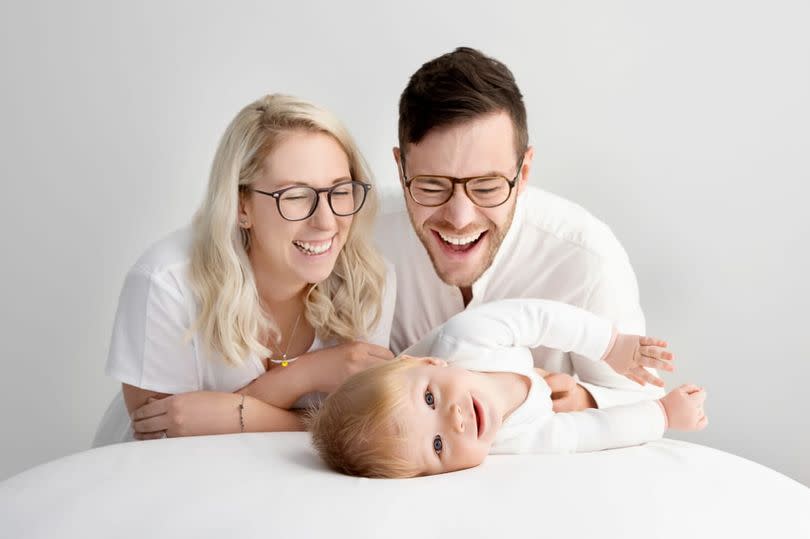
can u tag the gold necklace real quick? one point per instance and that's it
(284, 361)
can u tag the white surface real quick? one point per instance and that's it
(683, 125)
(273, 485)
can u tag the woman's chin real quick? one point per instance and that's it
(314, 272)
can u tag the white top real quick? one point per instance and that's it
(494, 338)
(152, 347)
(554, 250)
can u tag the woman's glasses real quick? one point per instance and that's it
(299, 202)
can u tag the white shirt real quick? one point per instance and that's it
(554, 250)
(152, 346)
(494, 338)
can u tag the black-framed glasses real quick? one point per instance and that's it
(484, 191)
(299, 202)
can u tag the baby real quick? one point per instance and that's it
(425, 415)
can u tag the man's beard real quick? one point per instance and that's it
(494, 237)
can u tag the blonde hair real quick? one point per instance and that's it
(356, 430)
(231, 320)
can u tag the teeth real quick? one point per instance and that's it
(462, 240)
(313, 248)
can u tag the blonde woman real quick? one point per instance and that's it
(272, 296)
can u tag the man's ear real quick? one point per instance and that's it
(436, 362)
(400, 171)
(528, 159)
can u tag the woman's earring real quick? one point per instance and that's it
(243, 222)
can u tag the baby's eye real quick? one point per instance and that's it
(429, 398)
(437, 444)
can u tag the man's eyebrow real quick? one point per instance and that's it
(484, 175)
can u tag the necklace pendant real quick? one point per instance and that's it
(285, 363)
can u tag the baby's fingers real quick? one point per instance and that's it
(635, 379)
(653, 363)
(652, 341)
(656, 352)
(698, 397)
(647, 376)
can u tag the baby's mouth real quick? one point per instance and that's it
(477, 411)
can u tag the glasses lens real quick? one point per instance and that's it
(488, 192)
(347, 198)
(430, 191)
(296, 204)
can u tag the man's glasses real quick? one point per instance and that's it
(483, 191)
(299, 202)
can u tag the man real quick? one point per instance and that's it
(479, 233)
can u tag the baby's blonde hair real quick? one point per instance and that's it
(356, 431)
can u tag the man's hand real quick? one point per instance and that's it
(567, 395)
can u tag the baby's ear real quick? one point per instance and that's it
(436, 362)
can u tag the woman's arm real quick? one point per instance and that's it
(209, 412)
(321, 370)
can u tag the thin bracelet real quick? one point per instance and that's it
(241, 418)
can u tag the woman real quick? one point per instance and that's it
(267, 299)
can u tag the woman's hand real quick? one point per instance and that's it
(332, 366)
(187, 414)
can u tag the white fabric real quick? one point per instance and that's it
(152, 346)
(274, 486)
(553, 250)
(493, 338)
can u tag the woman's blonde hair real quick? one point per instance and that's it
(356, 431)
(231, 320)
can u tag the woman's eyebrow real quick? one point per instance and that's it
(275, 185)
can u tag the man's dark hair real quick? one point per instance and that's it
(457, 87)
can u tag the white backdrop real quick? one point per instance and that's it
(685, 126)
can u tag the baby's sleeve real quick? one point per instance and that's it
(598, 429)
(531, 323)
(151, 346)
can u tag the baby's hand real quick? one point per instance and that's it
(684, 408)
(631, 353)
